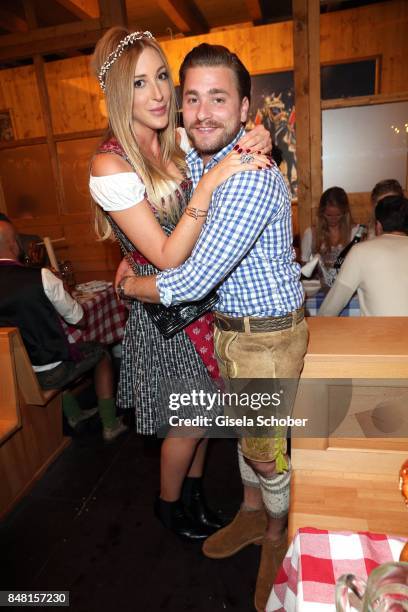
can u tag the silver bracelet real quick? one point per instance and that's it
(120, 290)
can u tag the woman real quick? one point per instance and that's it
(138, 178)
(334, 230)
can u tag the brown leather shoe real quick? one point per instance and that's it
(273, 553)
(248, 527)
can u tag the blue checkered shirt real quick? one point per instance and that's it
(245, 247)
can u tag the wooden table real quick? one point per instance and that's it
(105, 316)
(351, 482)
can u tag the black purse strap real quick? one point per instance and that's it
(123, 243)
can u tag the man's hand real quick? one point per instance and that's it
(142, 288)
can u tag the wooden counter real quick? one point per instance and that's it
(346, 480)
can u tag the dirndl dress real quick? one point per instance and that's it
(153, 366)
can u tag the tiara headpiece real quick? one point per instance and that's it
(116, 53)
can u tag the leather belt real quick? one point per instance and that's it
(259, 324)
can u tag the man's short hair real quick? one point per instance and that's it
(392, 213)
(386, 187)
(217, 55)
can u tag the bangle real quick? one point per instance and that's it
(196, 213)
(120, 290)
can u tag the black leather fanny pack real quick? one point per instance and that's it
(172, 319)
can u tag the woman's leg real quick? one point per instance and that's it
(197, 466)
(177, 457)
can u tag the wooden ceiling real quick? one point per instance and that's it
(27, 27)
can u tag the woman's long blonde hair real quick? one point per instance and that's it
(334, 196)
(160, 186)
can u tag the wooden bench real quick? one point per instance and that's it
(30, 422)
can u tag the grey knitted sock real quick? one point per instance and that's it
(275, 493)
(248, 476)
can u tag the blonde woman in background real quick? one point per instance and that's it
(138, 180)
(334, 229)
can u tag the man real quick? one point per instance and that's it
(246, 245)
(377, 269)
(31, 299)
(25, 242)
(386, 187)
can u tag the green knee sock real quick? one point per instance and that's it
(70, 406)
(107, 412)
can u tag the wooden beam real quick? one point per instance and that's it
(23, 142)
(365, 100)
(184, 15)
(11, 22)
(54, 39)
(84, 9)
(30, 15)
(46, 111)
(254, 10)
(306, 48)
(112, 13)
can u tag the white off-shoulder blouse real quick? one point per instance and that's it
(117, 191)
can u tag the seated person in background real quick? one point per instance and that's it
(382, 189)
(30, 251)
(334, 228)
(31, 299)
(377, 268)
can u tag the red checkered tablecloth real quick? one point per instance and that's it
(317, 558)
(105, 319)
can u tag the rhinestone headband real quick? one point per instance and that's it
(116, 53)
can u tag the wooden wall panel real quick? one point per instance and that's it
(74, 158)
(376, 30)
(75, 96)
(27, 181)
(262, 49)
(19, 92)
(90, 258)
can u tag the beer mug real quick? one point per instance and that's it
(385, 591)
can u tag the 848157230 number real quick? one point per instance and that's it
(34, 598)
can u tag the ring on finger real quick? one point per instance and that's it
(246, 158)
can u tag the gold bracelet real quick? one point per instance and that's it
(196, 213)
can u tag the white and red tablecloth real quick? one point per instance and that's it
(105, 318)
(317, 558)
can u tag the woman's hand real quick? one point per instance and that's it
(124, 269)
(258, 139)
(231, 164)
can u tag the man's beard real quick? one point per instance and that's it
(222, 141)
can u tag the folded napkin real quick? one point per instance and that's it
(91, 286)
(308, 269)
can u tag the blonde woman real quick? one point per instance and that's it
(334, 230)
(138, 180)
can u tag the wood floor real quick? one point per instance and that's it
(88, 527)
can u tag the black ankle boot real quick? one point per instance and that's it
(173, 516)
(196, 505)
